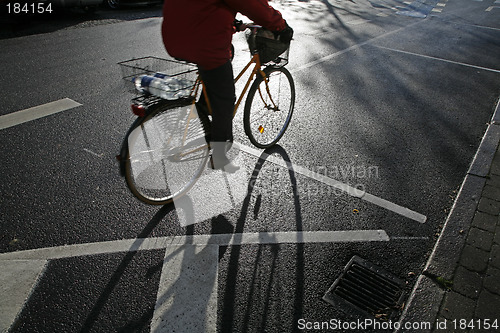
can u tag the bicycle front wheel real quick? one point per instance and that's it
(269, 107)
(167, 152)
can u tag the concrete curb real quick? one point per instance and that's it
(426, 297)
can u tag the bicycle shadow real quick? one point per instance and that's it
(227, 309)
(188, 294)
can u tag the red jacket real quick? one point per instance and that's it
(200, 31)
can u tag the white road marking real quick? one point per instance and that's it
(410, 238)
(355, 192)
(187, 292)
(22, 116)
(439, 59)
(489, 9)
(17, 279)
(137, 244)
(477, 26)
(403, 211)
(336, 54)
(91, 152)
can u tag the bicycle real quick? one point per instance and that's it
(165, 150)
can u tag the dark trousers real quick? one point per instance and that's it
(219, 83)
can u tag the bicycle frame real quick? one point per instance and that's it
(256, 70)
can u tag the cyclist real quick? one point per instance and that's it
(200, 31)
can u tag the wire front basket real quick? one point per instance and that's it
(271, 51)
(134, 69)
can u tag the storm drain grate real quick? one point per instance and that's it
(369, 290)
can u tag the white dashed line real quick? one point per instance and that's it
(440, 59)
(356, 46)
(23, 116)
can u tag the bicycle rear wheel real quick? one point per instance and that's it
(269, 107)
(167, 152)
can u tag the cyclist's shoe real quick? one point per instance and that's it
(219, 160)
(223, 164)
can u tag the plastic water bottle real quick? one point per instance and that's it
(137, 81)
(161, 75)
(155, 86)
(163, 86)
(185, 88)
(162, 89)
(181, 87)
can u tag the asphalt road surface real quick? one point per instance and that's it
(393, 99)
